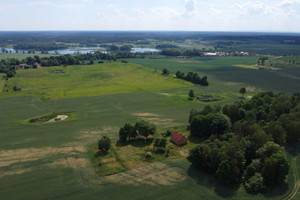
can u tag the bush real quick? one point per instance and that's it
(104, 144)
(148, 155)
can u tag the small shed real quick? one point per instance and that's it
(178, 139)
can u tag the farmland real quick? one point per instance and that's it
(53, 158)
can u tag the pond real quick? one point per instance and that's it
(143, 50)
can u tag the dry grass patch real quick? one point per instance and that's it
(145, 114)
(188, 61)
(154, 174)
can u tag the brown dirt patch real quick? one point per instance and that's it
(188, 61)
(161, 121)
(9, 157)
(154, 174)
(15, 172)
(89, 136)
(184, 152)
(145, 114)
(165, 94)
(70, 162)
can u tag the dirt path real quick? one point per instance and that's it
(297, 181)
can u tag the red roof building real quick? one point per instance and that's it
(178, 139)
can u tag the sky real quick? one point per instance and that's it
(157, 15)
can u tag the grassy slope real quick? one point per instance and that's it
(90, 80)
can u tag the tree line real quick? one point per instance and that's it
(244, 142)
(193, 77)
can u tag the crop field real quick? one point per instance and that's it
(232, 71)
(51, 160)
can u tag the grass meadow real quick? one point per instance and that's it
(51, 161)
(89, 80)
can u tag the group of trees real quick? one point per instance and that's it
(244, 140)
(141, 128)
(181, 52)
(193, 77)
(262, 60)
(39, 46)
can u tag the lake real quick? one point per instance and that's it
(82, 50)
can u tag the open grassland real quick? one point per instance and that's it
(21, 56)
(223, 71)
(89, 80)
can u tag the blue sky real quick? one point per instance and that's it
(184, 15)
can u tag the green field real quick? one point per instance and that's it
(51, 161)
(90, 80)
(224, 70)
(22, 55)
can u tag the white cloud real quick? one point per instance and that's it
(190, 7)
(110, 6)
(165, 12)
(287, 3)
(250, 8)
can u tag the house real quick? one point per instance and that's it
(18, 67)
(178, 139)
(209, 54)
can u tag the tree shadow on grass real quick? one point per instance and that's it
(100, 153)
(210, 181)
(139, 142)
(276, 191)
(195, 139)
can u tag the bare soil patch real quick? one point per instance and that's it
(58, 118)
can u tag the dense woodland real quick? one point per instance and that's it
(244, 141)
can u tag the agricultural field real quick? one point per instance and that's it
(21, 56)
(77, 81)
(232, 71)
(52, 161)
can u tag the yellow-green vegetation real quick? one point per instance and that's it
(89, 80)
(131, 155)
(246, 66)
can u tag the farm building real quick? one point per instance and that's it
(178, 139)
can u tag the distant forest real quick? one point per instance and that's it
(265, 43)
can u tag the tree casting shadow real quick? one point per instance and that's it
(210, 181)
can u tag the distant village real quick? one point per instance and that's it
(236, 53)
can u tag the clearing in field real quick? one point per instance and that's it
(48, 118)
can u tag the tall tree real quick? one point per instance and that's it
(243, 91)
